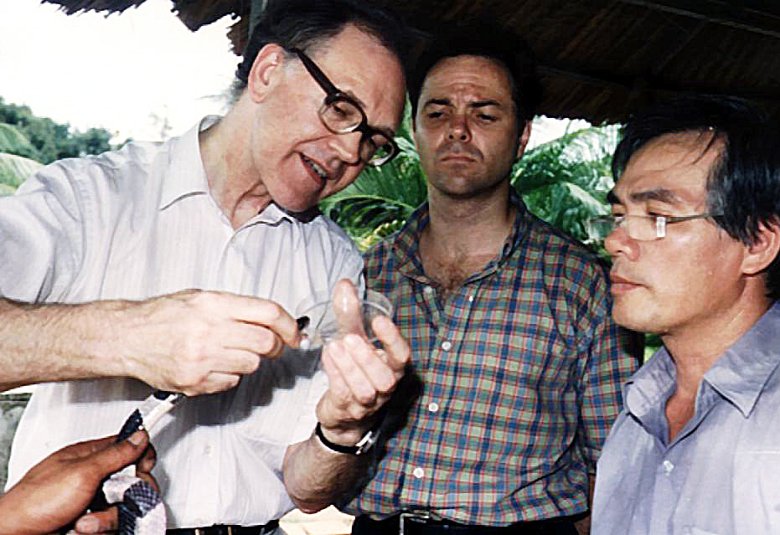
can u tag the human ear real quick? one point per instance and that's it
(523, 140)
(764, 248)
(264, 71)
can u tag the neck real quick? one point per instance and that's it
(696, 349)
(233, 183)
(477, 225)
(463, 236)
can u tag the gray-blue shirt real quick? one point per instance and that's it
(721, 473)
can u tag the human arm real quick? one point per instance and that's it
(192, 341)
(361, 379)
(58, 490)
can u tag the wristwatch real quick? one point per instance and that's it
(363, 445)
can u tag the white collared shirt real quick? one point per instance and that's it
(140, 222)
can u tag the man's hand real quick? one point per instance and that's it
(199, 342)
(361, 377)
(58, 489)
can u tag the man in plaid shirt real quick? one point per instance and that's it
(517, 365)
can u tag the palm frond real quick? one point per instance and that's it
(14, 170)
(13, 141)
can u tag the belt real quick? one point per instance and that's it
(422, 524)
(220, 529)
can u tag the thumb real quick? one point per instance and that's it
(120, 454)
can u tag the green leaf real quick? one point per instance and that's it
(12, 141)
(14, 170)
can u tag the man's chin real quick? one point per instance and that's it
(632, 317)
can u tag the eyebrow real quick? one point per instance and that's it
(659, 194)
(476, 104)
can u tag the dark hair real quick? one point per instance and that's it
(306, 23)
(744, 182)
(482, 38)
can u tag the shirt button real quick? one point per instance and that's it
(446, 345)
(433, 407)
(471, 298)
(207, 450)
(668, 466)
(418, 473)
(428, 290)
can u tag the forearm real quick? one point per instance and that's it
(316, 477)
(40, 343)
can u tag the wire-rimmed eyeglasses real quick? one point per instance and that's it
(638, 227)
(341, 114)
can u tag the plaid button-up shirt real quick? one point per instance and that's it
(516, 380)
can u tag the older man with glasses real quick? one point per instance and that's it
(177, 267)
(694, 237)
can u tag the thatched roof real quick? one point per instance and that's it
(599, 59)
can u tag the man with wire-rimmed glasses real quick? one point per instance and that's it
(187, 260)
(694, 237)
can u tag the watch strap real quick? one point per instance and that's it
(362, 446)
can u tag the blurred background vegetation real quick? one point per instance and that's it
(564, 181)
(28, 141)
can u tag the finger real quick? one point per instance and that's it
(213, 383)
(397, 349)
(268, 314)
(347, 308)
(118, 455)
(86, 448)
(337, 386)
(256, 339)
(354, 350)
(373, 364)
(236, 361)
(147, 461)
(99, 522)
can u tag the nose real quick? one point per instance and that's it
(618, 243)
(459, 129)
(347, 147)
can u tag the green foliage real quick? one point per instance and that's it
(14, 170)
(47, 140)
(565, 181)
(12, 141)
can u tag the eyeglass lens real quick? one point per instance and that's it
(342, 116)
(642, 228)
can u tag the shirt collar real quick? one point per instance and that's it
(743, 370)
(739, 375)
(650, 387)
(185, 176)
(184, 173)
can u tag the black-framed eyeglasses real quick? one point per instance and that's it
(342, 115)
(638, 227)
